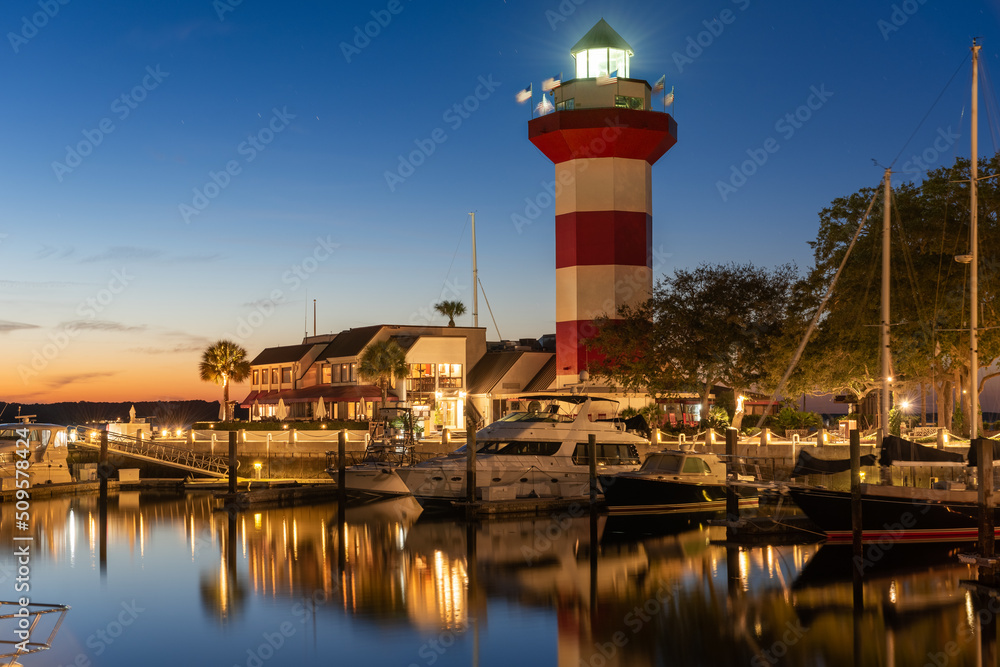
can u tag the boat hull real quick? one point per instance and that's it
(371, 481)
(893, 514)
(637, 495)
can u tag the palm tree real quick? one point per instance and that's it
(381, 362)
(450, 309)
(224, 362)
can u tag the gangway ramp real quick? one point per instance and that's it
(154, 452)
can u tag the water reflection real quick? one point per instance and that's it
(596, 598)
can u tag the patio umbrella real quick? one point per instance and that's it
(321, 409)
(255, 410)
(282, 411)
(222, 411)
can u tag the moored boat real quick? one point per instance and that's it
(680, 482)
(540, 452)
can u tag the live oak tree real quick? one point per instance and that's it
(224, 362)
(713, 325)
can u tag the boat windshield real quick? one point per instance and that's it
(536, 416)
(664, 463)
(519, 447)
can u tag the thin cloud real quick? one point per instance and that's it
(180, 348)
(101, 325)
(63, 380)
(6, 326)
(123, 254)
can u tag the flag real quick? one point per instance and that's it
(524, 95)
(554, 82)
(669, 98)
(661, 84)
(608, 80)
(544, 106)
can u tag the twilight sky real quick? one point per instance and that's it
(179, 172)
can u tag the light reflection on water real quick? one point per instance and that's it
(179, 582)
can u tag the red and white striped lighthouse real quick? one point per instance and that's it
(603, 138)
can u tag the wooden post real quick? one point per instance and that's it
(763, 437)
(342, 467)
(820, 436)
(470, 471)
(986, 535)
(592, 456)
(856, 491)
(940, 438)
(103, 471)
(732, 499)
(233, 439)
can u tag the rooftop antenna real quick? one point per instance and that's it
(314, 317)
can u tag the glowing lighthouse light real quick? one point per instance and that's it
(601, 52)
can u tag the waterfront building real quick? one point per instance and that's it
(326, 367)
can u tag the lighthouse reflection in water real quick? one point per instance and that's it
(168, 579)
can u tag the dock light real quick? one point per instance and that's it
(904, 405)
(322, 426)
(826, 437)
(295, 436)
(861, 475)
(180, 433)
(945, 437)
(257, 466)
(284, 426)
(164, 433)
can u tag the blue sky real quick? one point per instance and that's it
(276, 125)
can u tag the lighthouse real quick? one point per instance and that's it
(603, 138)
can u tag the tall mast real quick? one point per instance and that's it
(475, 276)
(974, 244)
(884, 338)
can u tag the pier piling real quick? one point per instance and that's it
(592, 451)
(856, 491)
(985, 479)
(233, 435)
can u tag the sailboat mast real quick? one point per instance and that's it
(475, 276)
(974, 245)
(884, 339)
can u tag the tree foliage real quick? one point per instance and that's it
(929, 303)
(382, 362)
(713, 325)
(451, 310)
(224, 362)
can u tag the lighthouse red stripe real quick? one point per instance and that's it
(587, 238)
(565, 135)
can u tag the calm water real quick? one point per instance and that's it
(179, 584)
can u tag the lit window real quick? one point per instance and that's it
(286, 375)
(327, 374)
(256, 377)
(274, 376)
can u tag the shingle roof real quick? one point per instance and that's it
(349, 343)
(281, 355)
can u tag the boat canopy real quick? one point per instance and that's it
(895, 448)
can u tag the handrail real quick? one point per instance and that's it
(163, 453)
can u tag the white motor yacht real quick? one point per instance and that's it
(539, 452)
